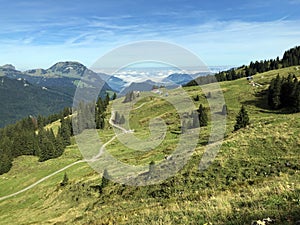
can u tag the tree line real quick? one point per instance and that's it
(290, 58)
(27, 137)
(284, 92)
(30, 137)
(90, 115)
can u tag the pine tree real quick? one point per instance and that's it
(117, 118)
(114, 96)
(203, 120)
(65, 180)
(242, 119)
(296, 104)
(46, 145)
(122, 119)
(5, 163)
(100, 105)
(196, 98)
(5, 154)
(286, 91)
(105, 181)
(274, 93)
(99, 121)
(59, 144)
(194, 123)
(100, 114)
(130, 96)
(106, 101)
(65, 131)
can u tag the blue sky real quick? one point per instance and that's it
(38, 33)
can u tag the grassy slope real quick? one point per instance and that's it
(255, 175)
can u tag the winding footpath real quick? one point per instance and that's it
(95, 158)
(41, 180)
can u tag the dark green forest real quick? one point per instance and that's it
(290, 58)
(29, 136)
(284, 92)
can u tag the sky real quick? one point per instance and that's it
(39, 33)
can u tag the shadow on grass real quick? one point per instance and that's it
(261, 102)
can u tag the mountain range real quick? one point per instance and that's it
(46, 91)
(40, 91)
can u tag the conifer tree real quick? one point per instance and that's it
(203, 120)
(105, 180)
(274, 93)
(296, 104)
(65, 180)
(194, 123)
(242, 119)
(286, 91)
(224, 110)
(106, 101)
(130, 96)
(122, 119)
(65, 131)
(184, 126)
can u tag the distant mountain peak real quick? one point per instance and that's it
(68, 67)
(178, 78)
(8, 66)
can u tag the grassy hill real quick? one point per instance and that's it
(254, 176)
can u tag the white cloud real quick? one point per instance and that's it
(216, 42)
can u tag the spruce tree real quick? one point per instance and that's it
(286, 91)
(5, 154)
(224, 110)
(65, 131)
(130, 96)
(122, 119)
(242, 119)
(105, 181)
(65, 180)
(5, 163)
(100, 105)
(106, 101)
(196, 98)
(194, 123)
(274, 93)
(184, 126)
(296, 105)
(203, 120)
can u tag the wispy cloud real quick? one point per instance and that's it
(221, 33)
